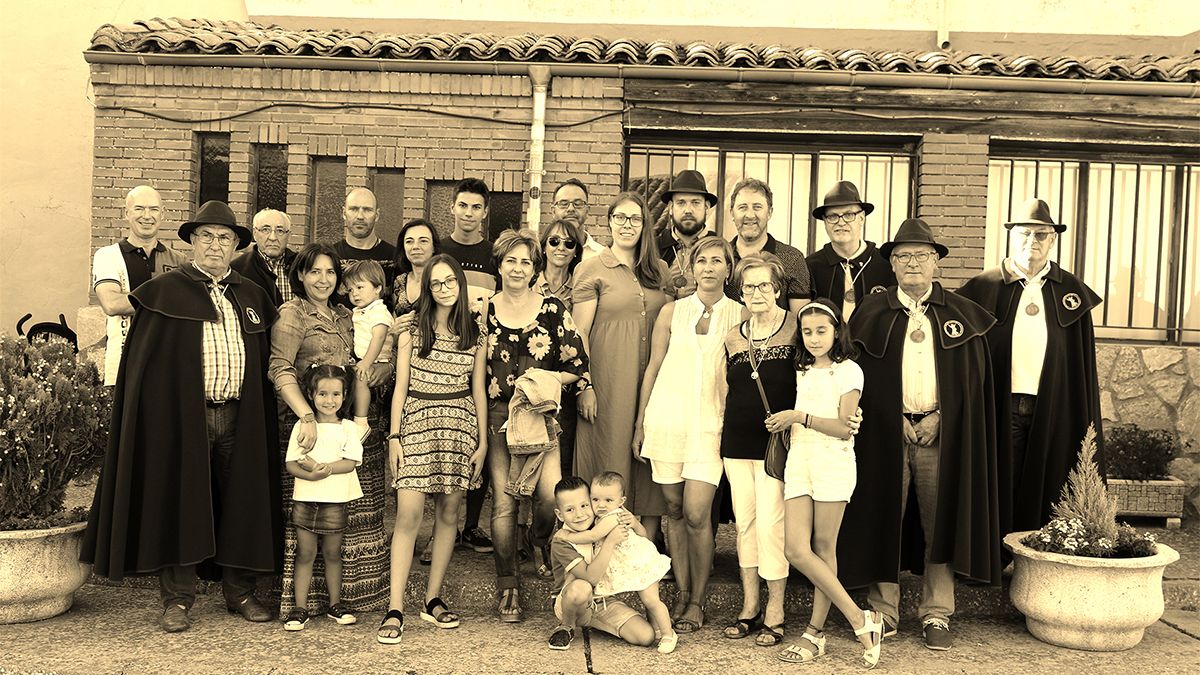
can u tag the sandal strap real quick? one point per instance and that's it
(435, 603)
(392, 614)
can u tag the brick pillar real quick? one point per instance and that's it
(952, 181)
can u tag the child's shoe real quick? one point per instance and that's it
(561, 638)
(340, 614)
(296, 619)
(668, 643)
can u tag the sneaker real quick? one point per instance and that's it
(889, 627)
(296, 619)
(476, 539)
(937, 634)
(561, 638)
(427, 554)
(340, 614)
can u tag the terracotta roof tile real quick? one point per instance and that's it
(204, 36)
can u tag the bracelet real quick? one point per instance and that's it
(395, 435)
(310, 417)
(807, 421)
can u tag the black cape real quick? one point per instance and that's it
(1068, 392)
(871, 272)
(875, 544)
(155, 501)
(250, 265)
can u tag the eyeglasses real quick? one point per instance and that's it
(620, 219)
(207, 238)
(568, 244)
(905, 258)
(449, 284)
(835, 218)
(278, 231)
(764, 288)
(564, 204)
(1037, 235)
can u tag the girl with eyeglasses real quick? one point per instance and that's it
(438, 440)
(618, 295)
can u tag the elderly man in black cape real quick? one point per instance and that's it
(928, 440)
(1044, 355)
(849, 267)
(190, 482)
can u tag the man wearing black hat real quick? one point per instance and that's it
(751, 205)
(190, 481)
(688, 202)
(928, 402)
(848, 267)
(1044, 351)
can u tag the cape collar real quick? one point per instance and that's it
(197, 274)
(1011, 275)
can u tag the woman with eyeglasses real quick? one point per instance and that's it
(618, 295)
(562, 246)
(438, 440)
(312, 331)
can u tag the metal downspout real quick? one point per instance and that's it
(540, 77)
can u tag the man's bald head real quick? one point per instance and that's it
(359, 214)
(143, 211)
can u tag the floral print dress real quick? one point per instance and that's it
(549, 342)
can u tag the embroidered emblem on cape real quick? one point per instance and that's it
(878, 289)
(953, 329)
(1071, 301)
(253, 316)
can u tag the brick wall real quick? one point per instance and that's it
(487, 135)
(952, 181)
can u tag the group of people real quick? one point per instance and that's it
(263, 401)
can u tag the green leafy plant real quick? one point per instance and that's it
(1134, 453)
(54, 418)
(1085, 517)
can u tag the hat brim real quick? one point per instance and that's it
(885, 249)
(709, 197)
(819, 212)
(1058, 227)
(245, 237)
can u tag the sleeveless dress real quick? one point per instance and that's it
(687, 405)
(439, 431)
(634, 565)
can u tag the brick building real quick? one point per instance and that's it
(269, 117)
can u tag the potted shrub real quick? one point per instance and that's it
(1137, 461)
(54, 417)
(1083, 581)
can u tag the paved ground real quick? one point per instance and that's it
(113, 629)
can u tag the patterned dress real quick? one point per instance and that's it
(439, 431)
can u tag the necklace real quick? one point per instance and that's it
(757, 345)
(851, 297)
(1031, 309)
(917, 335)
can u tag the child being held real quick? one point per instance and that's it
(326, 479)
(364, 281)
(636, 564)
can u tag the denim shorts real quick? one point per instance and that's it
(319, 517)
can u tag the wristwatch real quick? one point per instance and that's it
(309, 418)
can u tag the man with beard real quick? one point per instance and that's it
(750, 204)
(359, 215)
(571, 204)
(1044, 352)
(266, 262)
(931, 437)
(688, 201)
(848, 267)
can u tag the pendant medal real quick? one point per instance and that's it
(850, 296)
(706, 314)
(1032, 309)
(917, 335)
(754, 374)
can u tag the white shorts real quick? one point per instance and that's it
(672, 473)
(826, 474)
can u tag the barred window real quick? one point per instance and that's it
(1131, 235)
(214, 167)
(798, 177)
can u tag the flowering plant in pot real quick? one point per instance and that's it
(1084, 581)
(1138, 464)
(54, 418)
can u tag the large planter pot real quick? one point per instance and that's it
(1097, 604)
(1156, 498)
(39, 572)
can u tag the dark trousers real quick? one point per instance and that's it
(568, 419)
(1021, 421)
(177, 583)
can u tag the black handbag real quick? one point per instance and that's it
(780, 441)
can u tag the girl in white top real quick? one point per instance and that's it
(820, 475)
(682, 407)
(326, 479)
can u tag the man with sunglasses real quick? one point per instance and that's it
(848, 267)
(1044, 351)
(266, 262)
(688, 204)
(931, 428)
(571, 204)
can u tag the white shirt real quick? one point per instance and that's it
(335, 440)
(819, 393)
(918, 371)
(109, 265)
(591, 247)
(366, 318)
(1029, 332)
(849, 302)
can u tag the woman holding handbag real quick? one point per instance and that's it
(760, 367)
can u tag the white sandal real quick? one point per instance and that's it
(667, 643)
(799, 653)
(872, 625)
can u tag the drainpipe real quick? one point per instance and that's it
(540, 77)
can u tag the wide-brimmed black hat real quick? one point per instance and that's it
(216, 213)
(691, 181)
(1034, 212)
(913, 231)
(842, 193)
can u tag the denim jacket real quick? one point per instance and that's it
(302, 337)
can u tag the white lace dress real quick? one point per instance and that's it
(635, 564)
